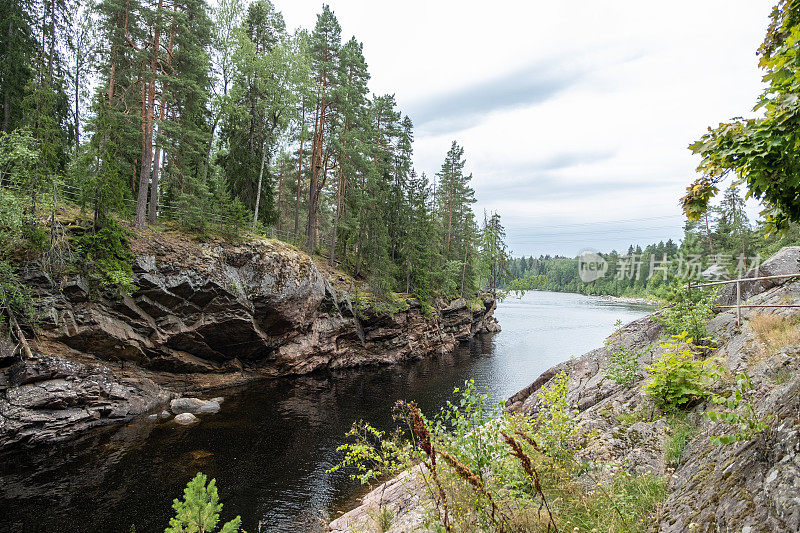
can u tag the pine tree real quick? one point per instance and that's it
(199, 510)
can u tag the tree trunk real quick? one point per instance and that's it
(299, 174)
(258, 188)
(147, 127)
(152, 212)
(464, 268)
(708, 234)
(280, 200)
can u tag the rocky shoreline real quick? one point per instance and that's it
(748, 486)
(204, 316)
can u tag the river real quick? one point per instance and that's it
(272, 442)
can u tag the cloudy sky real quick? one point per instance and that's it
(575, 116)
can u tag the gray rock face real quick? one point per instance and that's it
(261, 305)
(750, 486)
(204, 316)
(786, 261)
(185, 419)
(50, 399)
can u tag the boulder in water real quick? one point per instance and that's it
(185, 419)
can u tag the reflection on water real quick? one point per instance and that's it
(272, 442)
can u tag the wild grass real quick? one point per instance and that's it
(680, 433)
(484, 470)
(775, 332)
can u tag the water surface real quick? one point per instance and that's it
(272, 442)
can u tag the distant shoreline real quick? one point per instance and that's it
(628, 300)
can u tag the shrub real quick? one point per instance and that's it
(107, 258)
(14, 296)
(199, 510)
(470, 428)
(688, 313)
(556, 427)
(745, 422)
(372, 455)
(679, 377)
(622, 365)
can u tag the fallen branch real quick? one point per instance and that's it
(18, 331)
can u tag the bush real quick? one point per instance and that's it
(488, 471)
(107, 258)
(556, 427)
(15, 296)
(622, 365)
(199, 510)
(679, 377)
(688, 313)
(745, 422)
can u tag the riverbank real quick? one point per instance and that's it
(630, 300)
(205, 316)
(749, 485)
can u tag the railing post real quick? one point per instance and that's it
(738, 302)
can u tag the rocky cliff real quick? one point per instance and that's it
(750, 486)
(204, 315)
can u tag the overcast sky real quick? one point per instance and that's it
(575, 116)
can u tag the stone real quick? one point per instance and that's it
(186, 405)
(165, 414)
(218, 399)
(185, 419)
(209, 407)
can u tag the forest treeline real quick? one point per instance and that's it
(722, 244)
(219, 118)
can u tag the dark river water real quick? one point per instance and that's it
(272, 442)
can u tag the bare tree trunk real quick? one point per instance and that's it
(280, 199)
(152, 212)
(299, 174)
(260, 179)
(148, 126)
(464, 268)
(708, 234)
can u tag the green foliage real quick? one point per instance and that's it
(373, 455)
(622, 364)
(629, 504)
(20, 233)
(14, 295)
(555, 423)
(681, 431)
(106, 257)
(470, 427)
(688, 313)
(490, 471)
(762, 152)
(199, 510)
(679, 377)
(738, 413)
(383, 518)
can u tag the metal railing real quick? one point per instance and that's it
(738, 283)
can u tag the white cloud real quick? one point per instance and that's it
(569, 112)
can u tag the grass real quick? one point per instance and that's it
(383, 517)
(681, 432)
(775, 332)
(628, 503)
(629, 418)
